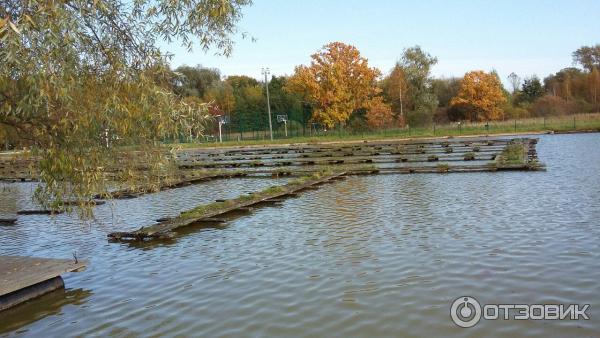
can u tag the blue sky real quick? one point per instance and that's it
(527, 37)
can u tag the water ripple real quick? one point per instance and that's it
(377, 256)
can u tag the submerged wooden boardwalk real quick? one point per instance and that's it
(164, 228)
(515, 154)
(25, 278)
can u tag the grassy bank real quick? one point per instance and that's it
(571, 123)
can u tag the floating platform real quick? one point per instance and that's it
(25, 278)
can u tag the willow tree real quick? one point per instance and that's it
(337, 82)
(81, 81)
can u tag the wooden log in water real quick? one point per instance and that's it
(8, 220)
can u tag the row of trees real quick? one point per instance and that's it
(340, 88)
(571, 90)
(241, 98)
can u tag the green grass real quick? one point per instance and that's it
(513, 154)
(443, 167)
(579, 122)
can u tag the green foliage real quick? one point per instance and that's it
(588, 57)
(419, 118)
(445, 89)
(417, 64)
(531, 90)
(195, 81)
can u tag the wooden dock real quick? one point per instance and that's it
(25, 278)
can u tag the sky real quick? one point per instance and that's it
(528, 37)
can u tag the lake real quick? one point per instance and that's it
(370, 256)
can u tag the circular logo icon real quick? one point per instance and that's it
(465, 311)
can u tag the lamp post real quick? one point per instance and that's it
(266, 72)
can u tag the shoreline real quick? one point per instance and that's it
(385, 139)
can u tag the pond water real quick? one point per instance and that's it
(371, 256)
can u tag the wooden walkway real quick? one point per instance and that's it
(164, 229)
(132, 193)
(21, 277)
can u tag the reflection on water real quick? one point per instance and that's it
(8, 196)
(56, 303)
(377, 256)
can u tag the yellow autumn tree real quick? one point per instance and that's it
(395, 88)
(337, 82)
(480, 96)
(379, 114)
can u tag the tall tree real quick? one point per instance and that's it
(416, 65)
(75, 73)
(284, 102)
(594, 87)
(445, 89)
(338, 81)
(588, 57)
(481, 96)
(395, 88)
(249, 109)
(515, 82)
(195, 81)
(379, 114)
(221, 95)
(531, 90)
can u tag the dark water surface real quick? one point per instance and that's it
(375, 256)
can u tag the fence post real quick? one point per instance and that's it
(544, 122)
(515, 125)
(433, 128)
(573, 122)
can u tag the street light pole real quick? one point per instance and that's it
(266, 73)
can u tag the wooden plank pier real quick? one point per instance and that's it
(25, 278)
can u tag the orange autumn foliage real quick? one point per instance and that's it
(481, 96)
(379, 114)
(337, 82)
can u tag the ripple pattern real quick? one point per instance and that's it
(376, 256)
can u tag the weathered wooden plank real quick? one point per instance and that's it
(18, 272)
(38, 212)
(8, 220)
(30, 292)
(165, 228)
